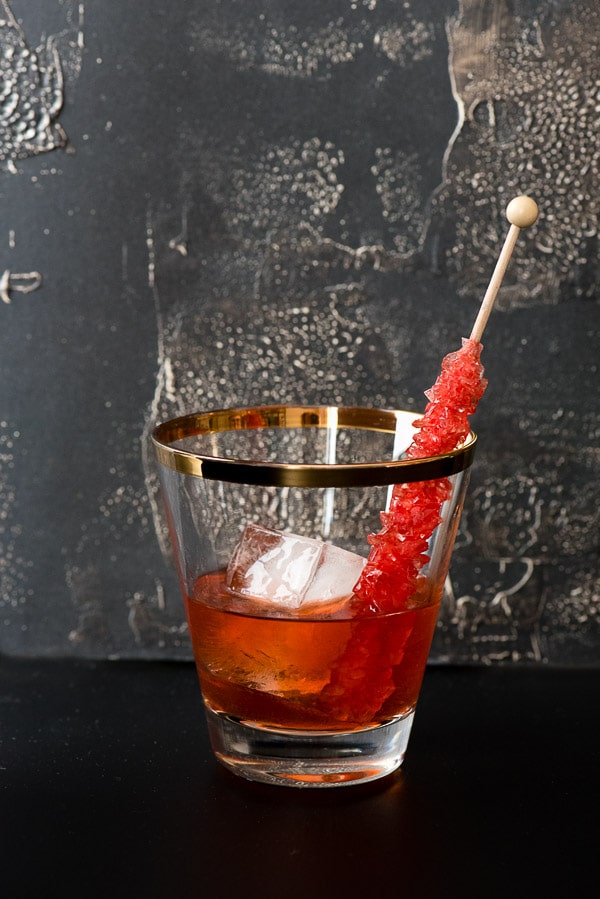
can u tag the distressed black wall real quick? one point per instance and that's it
(206, 203)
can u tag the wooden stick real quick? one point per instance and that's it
(521, 212)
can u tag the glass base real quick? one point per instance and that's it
(308, 758)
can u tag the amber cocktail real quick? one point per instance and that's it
(305, 681)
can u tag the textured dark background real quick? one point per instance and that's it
(207, 203)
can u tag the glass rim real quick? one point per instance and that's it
(301, 474)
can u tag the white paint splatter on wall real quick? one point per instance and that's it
(13, 282)
(31, 95)
(529, 122)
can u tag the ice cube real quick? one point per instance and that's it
(289, 571)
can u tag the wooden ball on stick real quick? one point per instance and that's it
(521, 212)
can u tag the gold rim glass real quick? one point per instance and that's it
(199, 445)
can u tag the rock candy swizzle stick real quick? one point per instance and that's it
(399, 550)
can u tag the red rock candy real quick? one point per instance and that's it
(362, 678)
(399, 549)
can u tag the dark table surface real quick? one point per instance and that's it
(108, 788)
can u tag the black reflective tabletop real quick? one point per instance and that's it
(108, 788)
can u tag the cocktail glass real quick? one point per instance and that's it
(269, 509)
